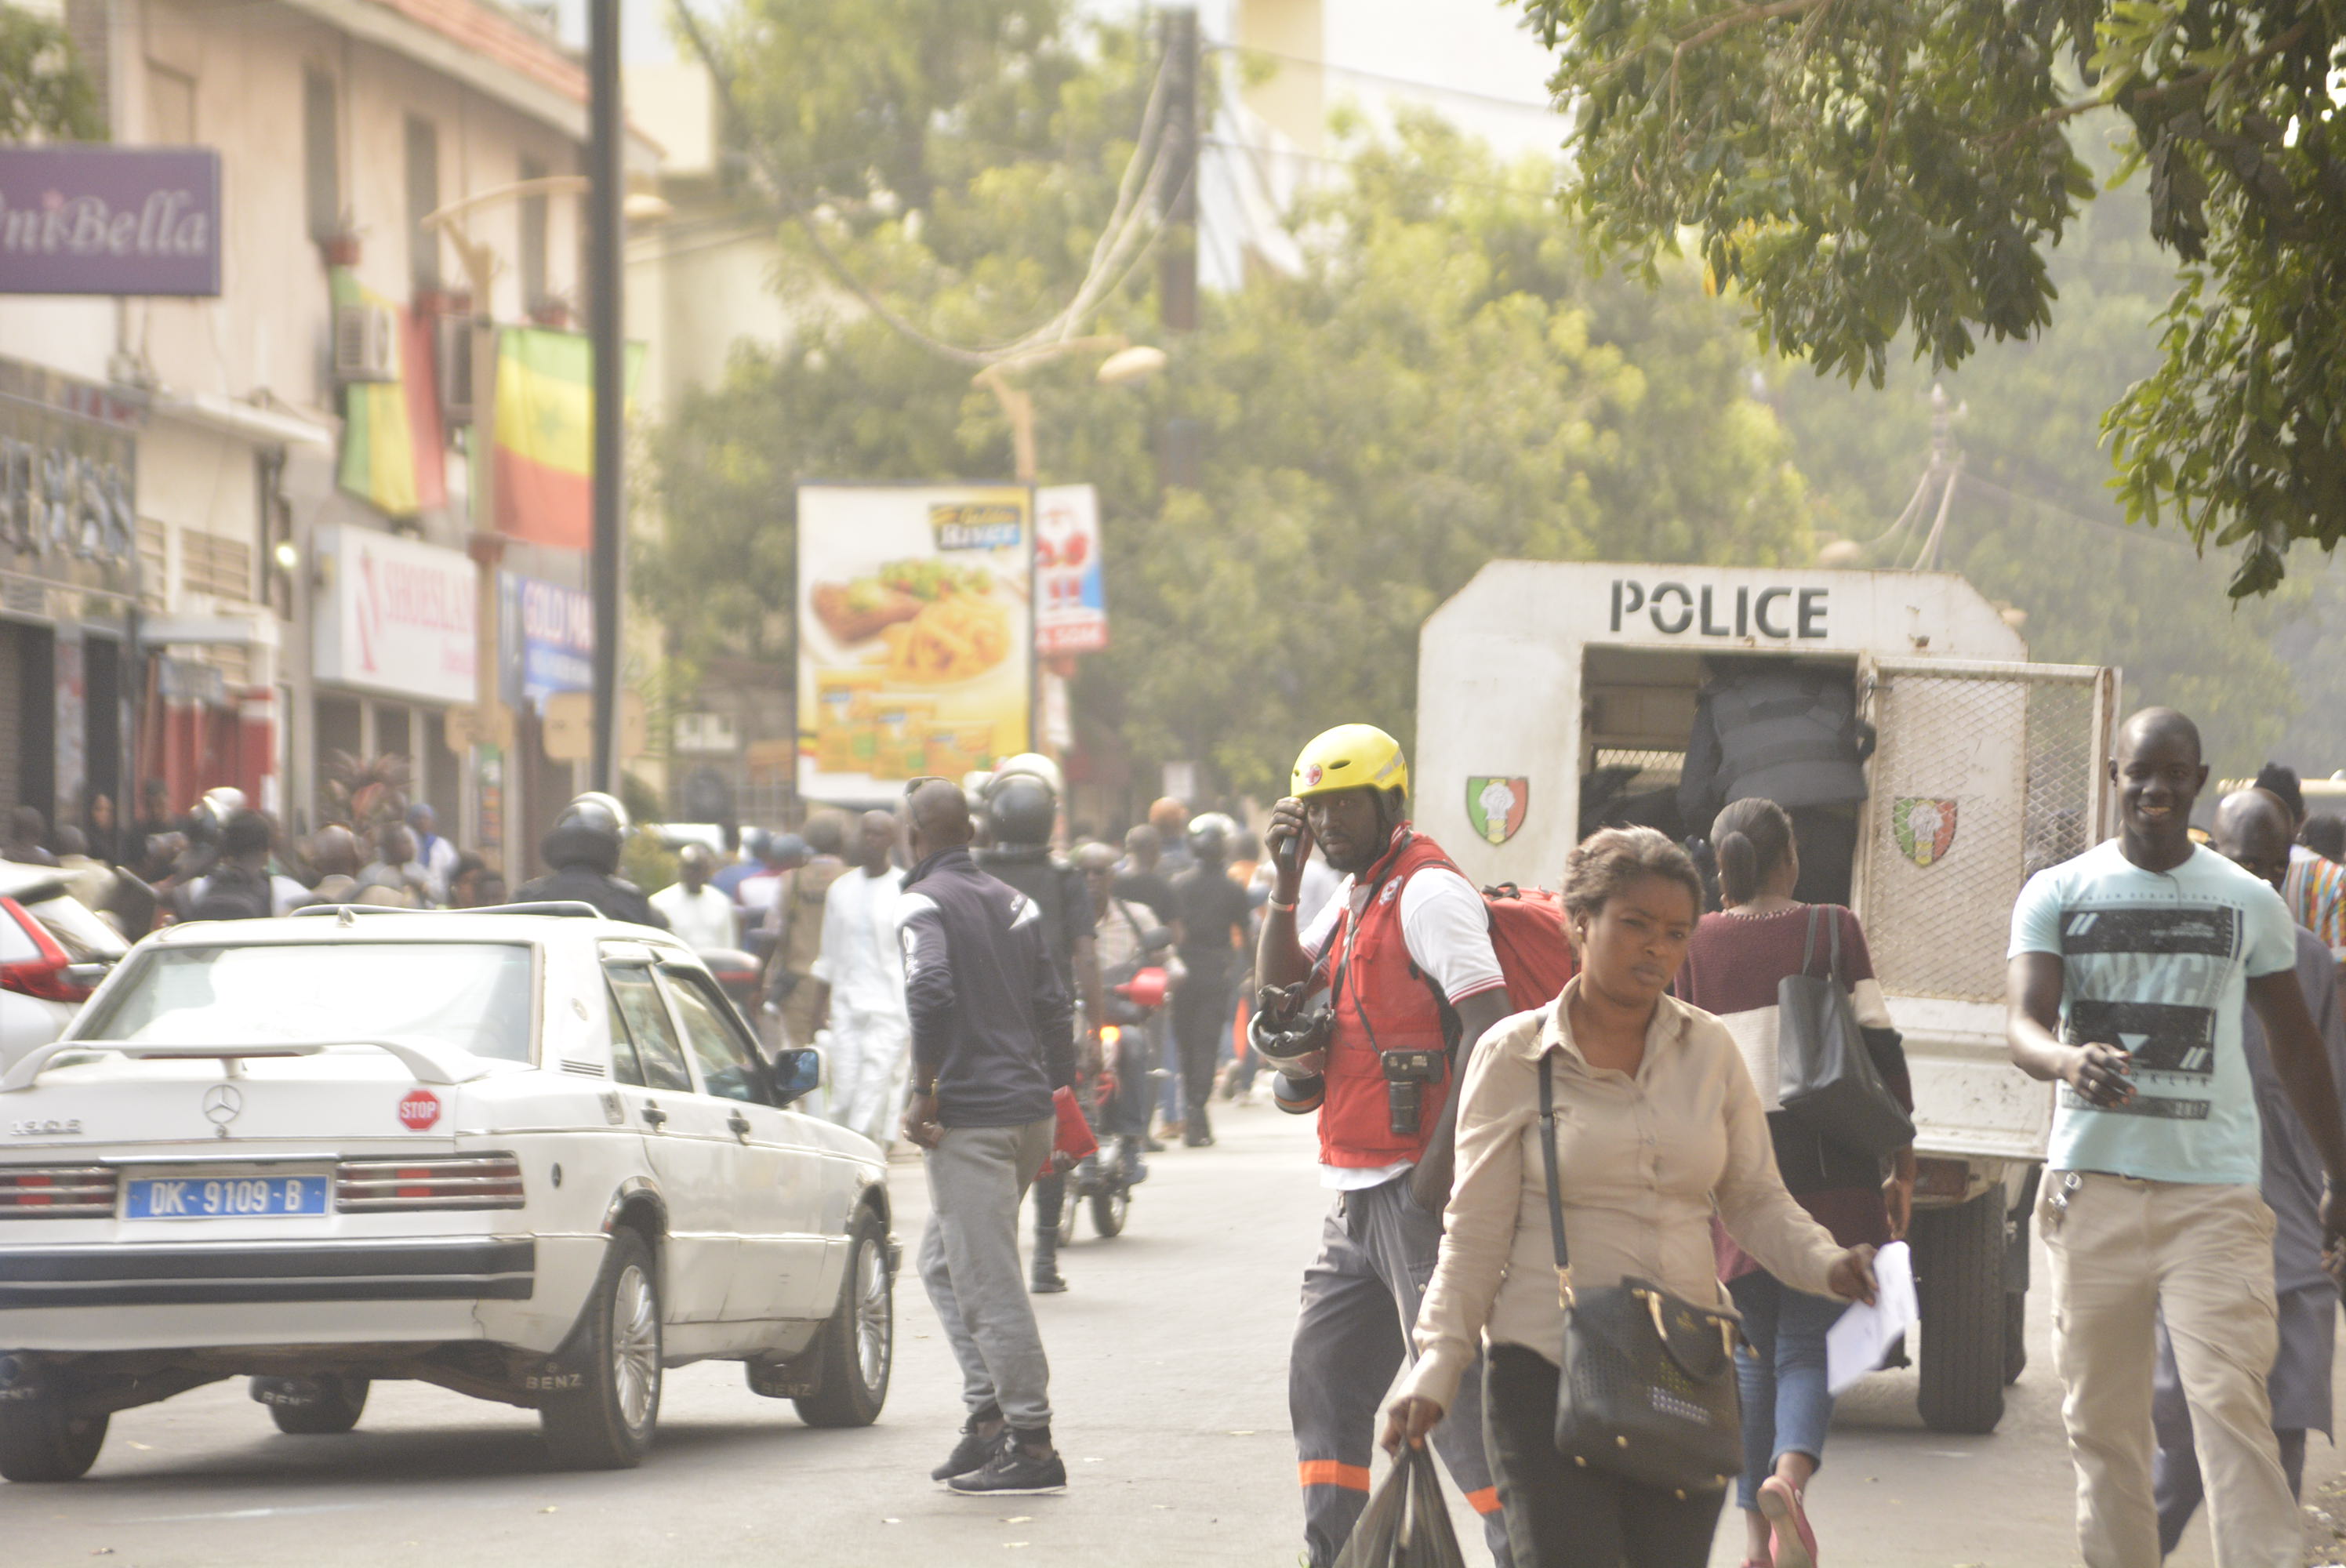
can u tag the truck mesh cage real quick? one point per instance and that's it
(1985, 774)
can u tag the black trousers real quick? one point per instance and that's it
(1201, 1022)
(1560, 1515)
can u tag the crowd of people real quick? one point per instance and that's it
(1498, 1174)
(220, 859)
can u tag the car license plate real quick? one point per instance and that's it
(224, 1197)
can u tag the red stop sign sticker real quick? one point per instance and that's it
(418, 1109)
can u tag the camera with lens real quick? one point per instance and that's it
(1407, 1073)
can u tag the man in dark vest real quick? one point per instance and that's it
(1790, 733)
(1403, 953)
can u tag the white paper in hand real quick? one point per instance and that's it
(1856, 1342)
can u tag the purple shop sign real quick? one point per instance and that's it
(81, 219)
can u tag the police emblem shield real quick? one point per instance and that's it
(1495, 806)
(1925, 829)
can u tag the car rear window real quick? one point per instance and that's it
(472, 995)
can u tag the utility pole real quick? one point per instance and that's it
(1182, 454)
(605, 320)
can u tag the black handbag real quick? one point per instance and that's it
(1827, 1078)
(1648, 1390)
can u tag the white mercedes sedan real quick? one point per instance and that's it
(529, 1155)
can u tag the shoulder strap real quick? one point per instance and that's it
(1555, 1186)
(1809, 949)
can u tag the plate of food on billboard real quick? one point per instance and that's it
(916, 633)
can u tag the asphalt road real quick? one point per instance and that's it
(1170, 1359)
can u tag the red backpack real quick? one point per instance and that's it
(1527, 932)
(1529, 939)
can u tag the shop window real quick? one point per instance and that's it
(423, 200)
(154, 566)
(533, 239)
(321, 155)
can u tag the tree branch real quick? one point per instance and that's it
(2061, 112)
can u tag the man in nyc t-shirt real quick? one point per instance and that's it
(2128, 966)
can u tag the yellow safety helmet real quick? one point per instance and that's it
(1347, 758)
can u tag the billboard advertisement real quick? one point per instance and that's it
(546, 639)
(80, 219)
(916, 633)
(1070, 591)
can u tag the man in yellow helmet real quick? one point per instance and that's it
(1368, 1012)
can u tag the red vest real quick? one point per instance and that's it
(1384, 990)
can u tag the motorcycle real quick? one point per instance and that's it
(1104, 1180)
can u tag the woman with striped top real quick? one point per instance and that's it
(1733, 966)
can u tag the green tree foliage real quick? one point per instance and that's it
(1859, 168)
(45, 95)
(1445, 385)
(2034, 522)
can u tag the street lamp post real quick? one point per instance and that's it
(1126, 362)
(604, 318)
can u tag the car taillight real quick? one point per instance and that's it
(46, 975)
(56, 1192)
(459, 1181)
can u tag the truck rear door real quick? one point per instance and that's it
(1984, 774)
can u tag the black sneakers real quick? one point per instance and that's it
(1013, 1473)
(970, 1453)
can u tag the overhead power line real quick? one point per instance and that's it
(1526, 105)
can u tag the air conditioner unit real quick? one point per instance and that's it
(453, 349)
(365, 343)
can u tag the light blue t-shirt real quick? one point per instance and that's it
(2157, 964)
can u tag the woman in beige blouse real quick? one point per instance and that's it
(1658, 1127)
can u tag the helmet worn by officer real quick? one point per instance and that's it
(584, 848)
(1020, 810)
(1211, 835)
(590, 832)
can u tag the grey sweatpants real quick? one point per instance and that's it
(969, 1261)
(1359, 1302)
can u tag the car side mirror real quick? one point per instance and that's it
(798, 1073)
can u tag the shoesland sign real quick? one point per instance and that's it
(398, 617)
(79, 219)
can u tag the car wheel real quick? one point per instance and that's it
(39, 1441)
(321, 1406)
(605, 1423)
(1068, 1204)
(1109, 1207)
(858, 1341)
(2015, 1335)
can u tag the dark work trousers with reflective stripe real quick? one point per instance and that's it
(1359, 1301)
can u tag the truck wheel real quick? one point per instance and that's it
(2015, 1335)
(857, 1344)
(321, 1406)
(1959, 1280)
(39, 1441)
(605, 1423)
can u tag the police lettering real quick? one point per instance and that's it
(1783, 614)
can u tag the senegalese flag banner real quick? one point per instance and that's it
(392, 456)
(545, 434)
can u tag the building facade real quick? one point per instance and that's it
(304, 579)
